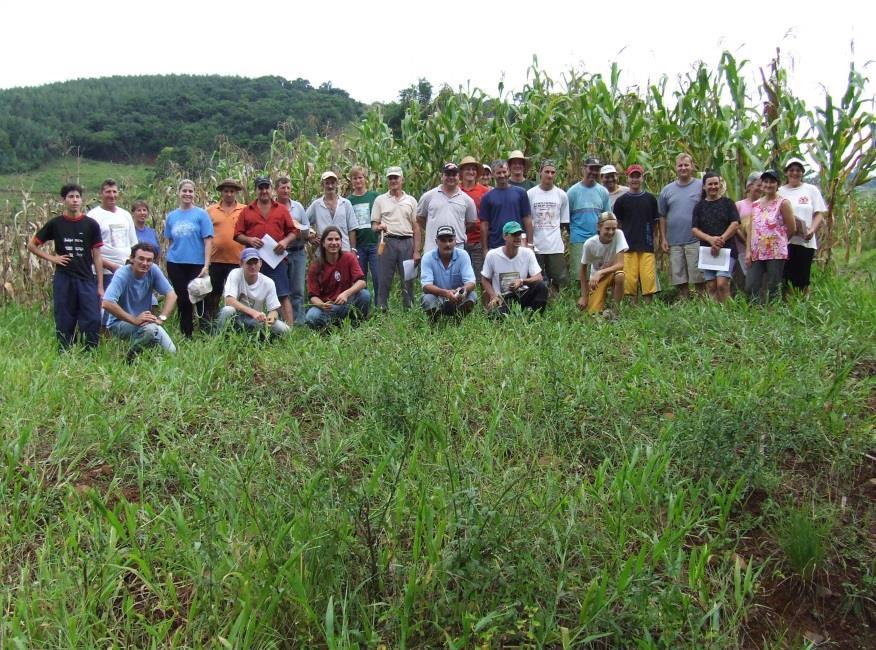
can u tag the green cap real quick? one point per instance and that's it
(512, 228)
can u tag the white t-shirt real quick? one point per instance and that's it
(549, 209)
(117, 231)
(600, 255)
(501, 271)
(258, 295)
(805, 201)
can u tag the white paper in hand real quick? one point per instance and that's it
(709, 262)
(410, 269)
(267, 253)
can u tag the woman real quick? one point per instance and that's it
(715, 220)
(335, 282)
(809, 208)
(145, 234)
(745, 207)
(772, 224)
(189, 233)
(362, 201)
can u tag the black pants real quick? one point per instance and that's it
(798, 266)
(76, 303)
(180, 275)
(534, 298)
(218, 274)
(772, 270)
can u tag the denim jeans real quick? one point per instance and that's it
(316, 318)
(368, 262)
(297, 275)
(143, 336)
(230, 317)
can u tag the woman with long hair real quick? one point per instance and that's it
(335, 283)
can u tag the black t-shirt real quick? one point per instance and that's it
(637, 214)
(74, 237)
(714, 217)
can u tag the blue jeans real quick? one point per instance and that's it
(368, 261)
(143, 336)
(230, 317)
(297, 274)
(316, 318)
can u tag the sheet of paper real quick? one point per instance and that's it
(708, 262)
(410, 269)
(267, 253)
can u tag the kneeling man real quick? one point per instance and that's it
(602, 265)
(447, 277)
(248, 293)
(128, 301)
(512, 274)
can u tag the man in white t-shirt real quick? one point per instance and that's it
(809, 208)
(602, 265)
(512, 274)
(251, 301)
(550, 209)
(116, 228)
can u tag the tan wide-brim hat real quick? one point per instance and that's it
(518, 155)
(231, 184)
(469, 160)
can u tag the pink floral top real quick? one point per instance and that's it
(769, 237)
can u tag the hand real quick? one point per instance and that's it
(145, 318)
(495, 301)
(664, 245)
(417, 257)
(582, 303)
(716, 250)
(748, 259)
(270, 319)
(809, 234)
(718, 241)
(594, 280)
(515, 285)
(341, 299)
(326, 306)
(100, 292)
(204, 271)
(279, 248)
(61, 260)
(256, 242)
(259, 317)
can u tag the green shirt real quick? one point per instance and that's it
(362, 209)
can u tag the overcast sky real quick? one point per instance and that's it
(373, 49)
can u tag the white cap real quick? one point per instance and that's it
(608, 169)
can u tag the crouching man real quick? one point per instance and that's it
(512, 274)
(248, 293)
(128, 301)
(447, 277)
(602, 266)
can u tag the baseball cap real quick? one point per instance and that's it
(443, 231)
(794, 161)
(394, 171)
(511, 228)
(262, 180)
(770, 173)
(450, 168)
(608, 169)
(593, 161)
(635, 168)
(248, 254)
(328, 174)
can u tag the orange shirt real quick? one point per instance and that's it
(225, 249)
(473, 230)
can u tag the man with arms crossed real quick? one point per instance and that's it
(675, 205)
(117, 230)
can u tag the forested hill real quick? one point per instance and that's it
(125, 118)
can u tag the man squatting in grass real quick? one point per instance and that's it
(675, 204)
(636, 212)
(128, 301)
(550, 213)
(512, 274)
(394, 216)
(75, 289)
(248, 293)
(602, 265)
(447, 278)
(265, 216)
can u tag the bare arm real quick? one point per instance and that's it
(664, 243)
(208, 251)
(527, 226)
(98, 269)
(231, 301)
(57, 260)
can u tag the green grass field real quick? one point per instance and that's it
(47, 180)
(688, 476)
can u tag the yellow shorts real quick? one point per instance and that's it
(596, 298)
(640, 268)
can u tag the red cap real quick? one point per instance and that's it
(635, 168)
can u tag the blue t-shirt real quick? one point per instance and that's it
(186, 230)
(148, 236)
(132, 294)
(458, 273)
(501, 205)
(585, 206)
(676, 203)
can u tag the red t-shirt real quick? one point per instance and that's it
(332, 279)
(251, 223)
(473, 230)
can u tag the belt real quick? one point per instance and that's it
(293, 249)
(399, 236)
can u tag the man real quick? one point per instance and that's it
(501, 205)
(262, 217)
(487, 175)
(333, 210)
(518, 165)
(445, 205)
(469, 170)
(809, 209)
(362, 199)
(394, 215)
(116, 229)
(608, 178)
(248, 294)
(550, 211)
(511, 274)
(128, 301)
(587, 200)
(226, 251)
(602, 266)
(447, 278)
(675, 205)
(637, 216)
(297, 258)
(76, 291)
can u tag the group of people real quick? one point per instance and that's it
(482, 225)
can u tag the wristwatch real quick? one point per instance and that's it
(162, 317)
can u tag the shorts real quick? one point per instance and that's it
(280, 276)
(575, 251)
(683, 260)
(596, 299)
(799, 266)
(640, 268)
(711, 275)
(553, 266)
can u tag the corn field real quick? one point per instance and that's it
(724, 122)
